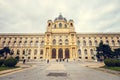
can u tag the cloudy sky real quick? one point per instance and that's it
(30, 16)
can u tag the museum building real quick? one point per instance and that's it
(60, 41)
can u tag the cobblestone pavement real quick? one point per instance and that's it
(60, 71)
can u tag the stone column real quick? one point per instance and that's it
(50, 53)
(71, 54)
(21, 53)
(89, 55)
(76, 57)
(44, 54)
(56, 53)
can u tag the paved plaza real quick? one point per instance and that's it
(60, 71)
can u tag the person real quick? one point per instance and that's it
(67, 60)
(48, 61)
(60, 59)
(24, 61)
(56, 60)
(63, 59)
(74, 59)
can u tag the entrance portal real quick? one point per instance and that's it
(53, 53)
(67, 55)
(60, 53)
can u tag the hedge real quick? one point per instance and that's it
(1, 62)
(10, 62)
(112, 62)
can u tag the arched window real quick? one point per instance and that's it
(96, 43)
(84, 43)
(14, 43)
(113, 42)
(91, 51)
(36, 44)
(24, 52)
(41, 52)
(8, 43)
(66, 42)
(60, 25)
(29, 52)
(20, 43)
(25, 43)
(118, 43)
(60, 42)
(31, 43)
(86, 57)
(90, 43)
(35, 52)
(78, 43)
(85, 51)
(55, 26)
(79, 51)
(42, 43)
(22, 57)
(18, 52)
(35, 58)
(65, 26)
(107, 42)
(54, 42)
(71, 24)
(49, 24)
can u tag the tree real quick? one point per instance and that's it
(5, 51)
(1, 53)
(117, 53)
(104, 51)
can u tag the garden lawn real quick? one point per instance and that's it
(112, 68)
(6, 68)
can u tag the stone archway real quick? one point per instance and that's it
(60, 53)
(53, 53)
(67, 54)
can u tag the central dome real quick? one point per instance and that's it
(60, 17)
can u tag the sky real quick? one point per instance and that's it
(31, 16)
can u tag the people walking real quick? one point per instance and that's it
(24, 61)
(47, 60)
(67, 60)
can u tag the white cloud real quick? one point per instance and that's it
(32, 15)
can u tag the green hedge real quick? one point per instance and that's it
(10, 62)
(118, 63)
(112, 62)
(1, 62)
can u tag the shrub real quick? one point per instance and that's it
(112, 62)
(1, 62)
(10, 62)
(118, 63)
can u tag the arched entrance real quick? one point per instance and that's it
(53, 53)
(60, 53)
(67, 55)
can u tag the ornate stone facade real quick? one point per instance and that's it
(59, 41)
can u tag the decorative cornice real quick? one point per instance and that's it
(42, 34)
(100, 33)
(23, 34)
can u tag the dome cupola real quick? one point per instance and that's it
(60, 17)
